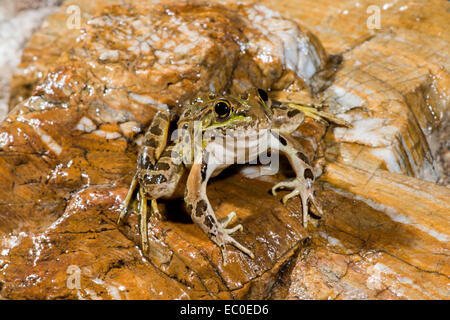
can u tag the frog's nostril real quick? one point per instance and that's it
(244, 96)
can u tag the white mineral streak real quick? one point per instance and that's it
(286, 42)
(130, 128)
(331, 240)
(393, 214)
(389, 157)
(51, 144)
(107, 134)
(144, 99)
(5, 139)
(374, 132)
(381, 277)
(109, 55)
(113, 291)
(345, 99)
(85, 124)
(10, 241)
(15, 30)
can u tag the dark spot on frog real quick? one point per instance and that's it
(280, 138)
(162, 166)
(277, 104)
(308, 174)
(209, 222)
(151, 143)
(167, 153)
(164, 116)
(154, 179)
(303, 158)
(200, 208)
(292, 113)
(155, 129)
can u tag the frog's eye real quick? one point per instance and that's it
(222, 109)
(263, 94)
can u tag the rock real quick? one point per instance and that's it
(384, 233)
(66, 165)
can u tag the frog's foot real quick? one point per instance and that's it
(142, 207)
(303, 188)
(143, 212)
(223, 236)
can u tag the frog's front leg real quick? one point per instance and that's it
(201, 211)
(303, 183)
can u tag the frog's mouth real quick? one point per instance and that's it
(231, 122)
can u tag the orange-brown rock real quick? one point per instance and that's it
(384, 233)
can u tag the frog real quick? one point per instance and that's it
(170, 168)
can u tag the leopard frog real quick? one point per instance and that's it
(201, 150)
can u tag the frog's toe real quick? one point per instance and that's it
(288, 184)
(227, 239)
(229, 219)
(294, 193)
(230, 240)
(234, 229)
(126, 202)
(307, 193)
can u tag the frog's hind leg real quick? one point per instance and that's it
(149, 167)
(303, 184)
(202, 213)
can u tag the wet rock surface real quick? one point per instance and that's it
(69, 152)
(68, 155)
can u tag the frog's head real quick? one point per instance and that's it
(249, 111)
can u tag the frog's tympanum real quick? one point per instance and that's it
(202, 149)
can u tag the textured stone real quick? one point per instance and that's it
(384, 233)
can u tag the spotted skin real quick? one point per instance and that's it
(157, 176)
(201, 211)
(303, 183)
(165, 170)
